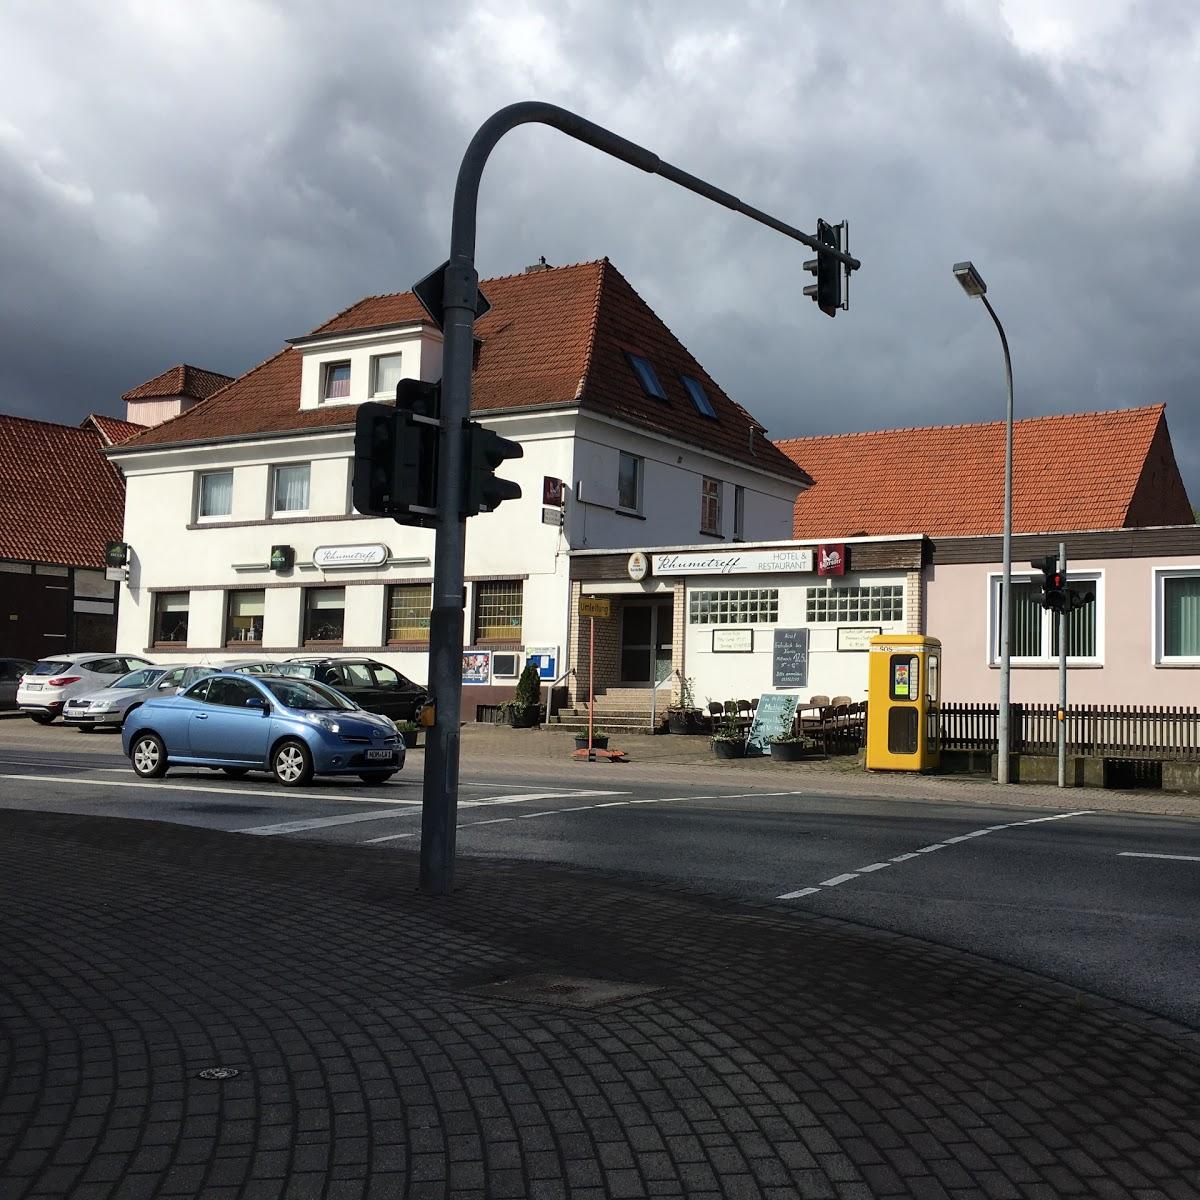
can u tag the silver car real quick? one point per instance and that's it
(111, 705)
(51, 682)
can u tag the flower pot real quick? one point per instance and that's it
(792, 751)
(677, 720)
(523, 718)
(599, 741)
(410, 737)
(723, 749)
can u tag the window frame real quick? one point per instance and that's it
(1158, 641)
(276, 511)
(641, 474)
(725, 606)
(647, 376)
(155, 612)
(200, 515)
(376, 360)
(479, 591)
(739, 512)
(699, 397)
(305, 615)
(1093, 576)
(235, 643)
(391, 589)
(815, 594)
(327, 370)
(715, 529)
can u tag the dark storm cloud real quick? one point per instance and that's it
(198, 182)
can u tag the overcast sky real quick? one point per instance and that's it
(196, 182)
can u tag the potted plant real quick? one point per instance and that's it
(599, 740)
(410, 731)
(523, 710)
(728, 740)
(683, 717)
(791, 747)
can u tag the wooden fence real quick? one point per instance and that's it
(1167, 732)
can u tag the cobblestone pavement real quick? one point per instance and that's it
(779, 1055)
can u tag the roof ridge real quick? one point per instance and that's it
(80, 428)
(589, 357)
(1068, 416)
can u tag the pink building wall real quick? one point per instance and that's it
(957, 612)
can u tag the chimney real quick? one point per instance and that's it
(540, 265)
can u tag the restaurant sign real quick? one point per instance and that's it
(745, 562)
(372, 555)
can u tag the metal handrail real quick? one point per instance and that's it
(550, 691)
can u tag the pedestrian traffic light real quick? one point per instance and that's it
(484, 452)
(828, 291)
(1054, 584)
(396, 455)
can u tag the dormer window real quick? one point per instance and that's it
(695, 389)
(385, 374)
(336, 384)
(646, 377)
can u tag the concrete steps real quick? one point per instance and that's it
(611, 720)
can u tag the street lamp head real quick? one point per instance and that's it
(971, 280)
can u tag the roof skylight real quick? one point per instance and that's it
(646, 377)
(699, 396)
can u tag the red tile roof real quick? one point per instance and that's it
(60, 499)
(1100, 470)
(112, 429)
(553, 337)
(181, 380)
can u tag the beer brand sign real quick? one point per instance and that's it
(831, 559)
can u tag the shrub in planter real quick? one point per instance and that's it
(684, 717)
(410, 731)
(728, 741)
(599, 740)
(793, 747)
(523, 711)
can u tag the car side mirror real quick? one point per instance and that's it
(259, 703)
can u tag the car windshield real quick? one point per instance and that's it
(307, 696)
(146, 677)
(49, 668)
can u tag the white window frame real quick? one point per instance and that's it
(715, 530)
(376, 359)
(289, 512)
(327, 370)
(1093, 576)
(200, 478)
(1158, 578)
(641, 475)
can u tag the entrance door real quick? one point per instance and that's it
(645, 642)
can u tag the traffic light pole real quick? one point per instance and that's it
(1063, 613)
(439, 812)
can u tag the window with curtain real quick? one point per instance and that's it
(1180, 616)
(385, 374)
(408, 612)
(337, 381)
(498, 606)
(216, 494)
(324, 615)
(1034, 629)
(170, 619)
(710, 505)
(244, 617)
(291, 488)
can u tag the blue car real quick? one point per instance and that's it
(294, 728)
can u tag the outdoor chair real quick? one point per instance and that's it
(716, 710)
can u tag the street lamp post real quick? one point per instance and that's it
(973, 285)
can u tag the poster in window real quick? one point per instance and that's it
(732, 641)
(900, 680)
(477, 666)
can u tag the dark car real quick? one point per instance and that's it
(372, 685)
(11, 669)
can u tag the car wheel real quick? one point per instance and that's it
(42, 718)
(375, 776)
(236, 772)
(148, 756)
(291, 763)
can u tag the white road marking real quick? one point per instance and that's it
(493, 821)
(521, 798)
(321, 822)
(966, 837)
(1172, 857)
(391, 837)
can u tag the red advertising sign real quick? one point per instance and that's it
(552, 491)
(831, 559)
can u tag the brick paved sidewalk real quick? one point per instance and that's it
(781, 1055)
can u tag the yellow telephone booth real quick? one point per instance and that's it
(903, 696)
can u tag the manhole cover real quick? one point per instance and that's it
(218, 1073)
(565, 990)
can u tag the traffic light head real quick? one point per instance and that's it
(485, 451)
(396, 457)
(828, 291)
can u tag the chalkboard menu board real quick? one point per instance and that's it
(772, 718)
(789, 665)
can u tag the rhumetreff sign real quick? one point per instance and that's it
(745, 562)
(372, 555)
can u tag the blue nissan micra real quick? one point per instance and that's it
(294, 728)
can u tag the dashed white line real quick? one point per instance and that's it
(903, 858)
(1172, 857)
(872, 867)
(838, 879)
(391, 837)
(798, 895)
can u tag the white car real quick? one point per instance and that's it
(43, 690)
(112, 704)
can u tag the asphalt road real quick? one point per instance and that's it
(1106, 902)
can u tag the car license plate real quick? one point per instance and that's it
(34, 687)
(372, 754)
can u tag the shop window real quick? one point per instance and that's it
(324, 616)
(498, 606)
(733, 606)
(874, 603)
(1034, 629)
(408, 612)
(244, 617)
(215, 497)
(710, 505)
(170, 619)
(1177, 601)
(629, 483)
(289, 488)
